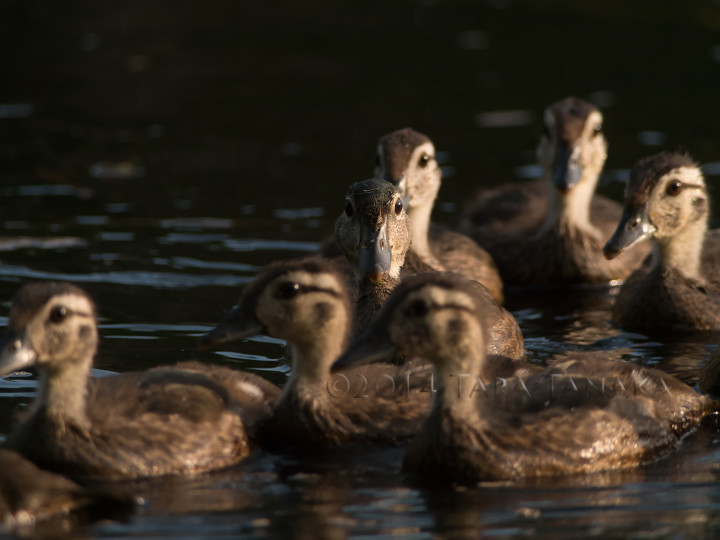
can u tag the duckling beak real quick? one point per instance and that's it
(373, 344)
(15, 354)
(568, 166)
(240, 322)
(375, 257)
(634, 227)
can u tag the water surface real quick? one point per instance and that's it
(159, 155)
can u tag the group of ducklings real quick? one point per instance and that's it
(421, 309)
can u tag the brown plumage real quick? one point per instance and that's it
(552, 231)
(169, 420)
(407, 159)
(666, 200)
(29, 494)
(574, 417)
(306, 303)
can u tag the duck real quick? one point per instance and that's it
(181, 419)
(29, 494)
(306, 303)
(666, 201)
(573, 417)
(551, 231)
(375, 234)
(406, 158)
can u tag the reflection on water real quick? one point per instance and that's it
(162, 161)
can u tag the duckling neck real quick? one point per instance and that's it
(371, 297)
(457, 378)
(682, 252)
(572, 209)
(312, 358)
(63, 394)
(420, 217)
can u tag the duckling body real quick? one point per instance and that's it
(566, 419)
(666, 200)
(374, 216)
(407, 159)
(551, 231)
(168, 420)
(306, 302)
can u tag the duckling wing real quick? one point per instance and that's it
(505, 212)
(461, 254)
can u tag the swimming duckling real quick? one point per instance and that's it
(666, 200)
(181, 419)
(536, 428)
(552, 231)
(407, 159)
(375, 234)
(29, 494)
(306, 303)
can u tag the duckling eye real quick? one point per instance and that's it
(377, 160)
(287, 290)
(597, 129)
(58, 314)
(673, 188)
(546, 131)
(417, 309)
(398, 206)
(424, 159)
(348, 209)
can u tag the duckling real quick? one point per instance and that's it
(407, 159)
(552, 231)
(666, 200)
(306, 302)
(169, 420)
(375, 234)
(29, 494)
(536, 428)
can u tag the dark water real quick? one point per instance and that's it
(159, 154)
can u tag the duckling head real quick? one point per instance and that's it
(666, 199)
(435, 315)
(374, 230)
(52, 325)
(572, 147)
(406, 158)
(304, 302)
